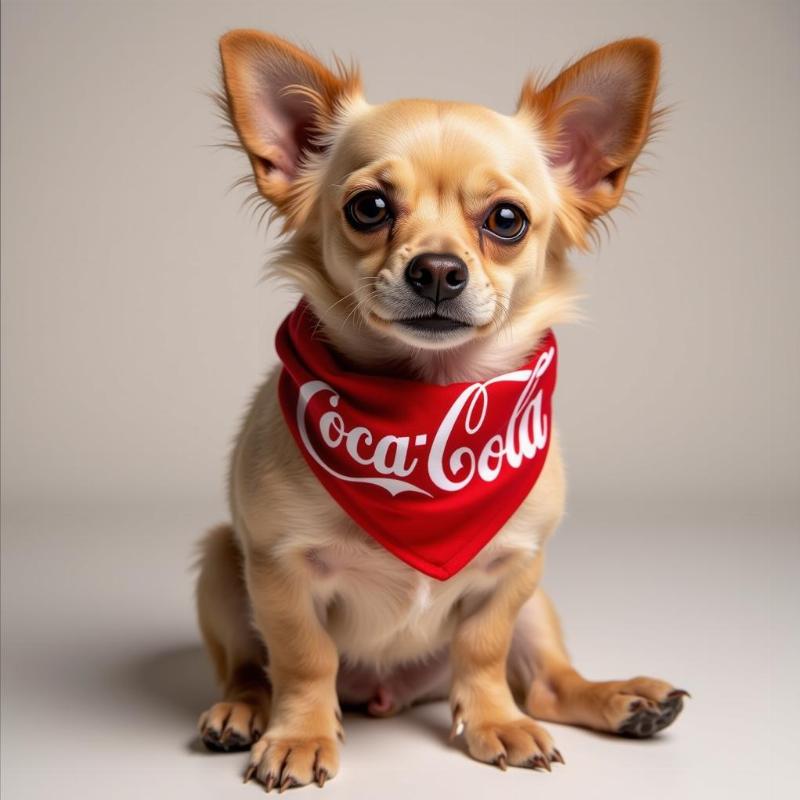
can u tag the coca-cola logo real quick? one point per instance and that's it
(460, 449)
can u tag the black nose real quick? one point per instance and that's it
(437, 276)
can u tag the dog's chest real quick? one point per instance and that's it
(381, 611)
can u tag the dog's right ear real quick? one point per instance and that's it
(281, 101)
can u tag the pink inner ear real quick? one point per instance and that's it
(588, 140)
(597, 114)
(582, 152)
(284, 119)
(283, 154)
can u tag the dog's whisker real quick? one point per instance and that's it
(360, 320)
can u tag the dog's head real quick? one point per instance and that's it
(435, 226)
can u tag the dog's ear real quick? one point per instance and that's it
(596, 117)
(281, 101)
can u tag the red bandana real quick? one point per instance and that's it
(430, 472)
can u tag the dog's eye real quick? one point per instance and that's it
(367, 211)
(506, 222)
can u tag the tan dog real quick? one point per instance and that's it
(300, 610)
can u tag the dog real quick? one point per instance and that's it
(429, 241)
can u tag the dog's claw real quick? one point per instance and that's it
(269, 782)
(249, 772)
(287, 783)
(557, 757)
(539, 762)
(502, 762)
(322, 775)
(456, 729)
(679, 693)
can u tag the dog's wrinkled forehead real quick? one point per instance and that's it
(451, 151)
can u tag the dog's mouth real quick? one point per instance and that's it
(432, 331)
(435, 323)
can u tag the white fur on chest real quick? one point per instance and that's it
(380, 611)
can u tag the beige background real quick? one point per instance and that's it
(134, 329)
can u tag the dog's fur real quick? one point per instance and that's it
(293, 585)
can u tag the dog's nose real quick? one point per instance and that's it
(437, 276)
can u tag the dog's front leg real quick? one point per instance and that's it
(496, 730)
(300, 743)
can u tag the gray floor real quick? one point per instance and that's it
(103, 676)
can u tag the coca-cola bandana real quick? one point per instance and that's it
(430, 472)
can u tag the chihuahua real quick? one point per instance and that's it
(397, 477)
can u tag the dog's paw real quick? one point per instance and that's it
(519, 741)
(288, 761)
(641, 707)
(231, 727)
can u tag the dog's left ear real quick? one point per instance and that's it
(281, 102)
(595, 118)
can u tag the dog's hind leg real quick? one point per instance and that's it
(239, 657)
(550, 688)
